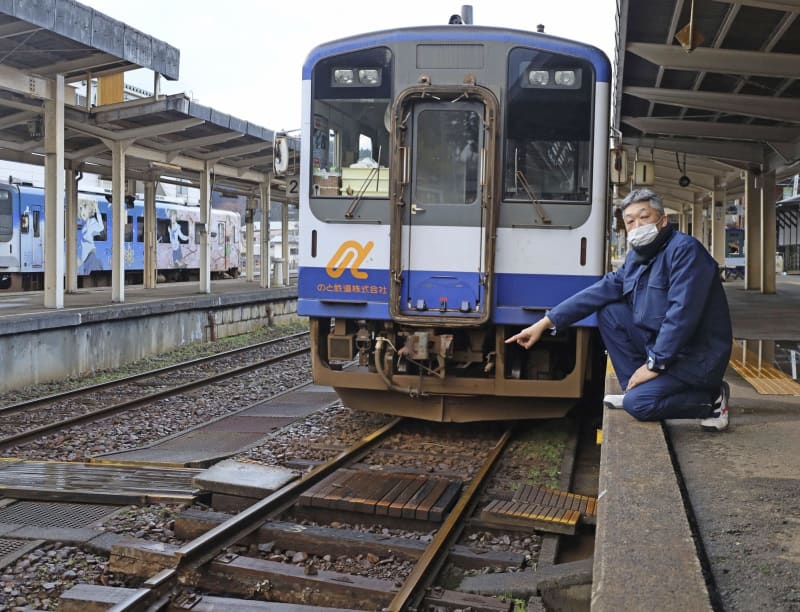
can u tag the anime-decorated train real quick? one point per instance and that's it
(453, 188)
(177, 239)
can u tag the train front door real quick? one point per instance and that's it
(442, 258)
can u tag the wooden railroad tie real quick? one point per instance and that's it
(542, 509)
(397, 495)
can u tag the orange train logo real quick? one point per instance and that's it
(350, 255)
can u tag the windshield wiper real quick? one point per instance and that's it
(534, 200)
(373, 173)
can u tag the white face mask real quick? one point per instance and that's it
(642, 235)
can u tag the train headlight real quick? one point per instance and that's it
(356, 77)
(553, 79)
(565, 78)
(369, 76)
(539, 78)
(343, 76)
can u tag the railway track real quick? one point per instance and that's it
(29, 420)
(216, 565)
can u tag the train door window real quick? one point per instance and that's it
(447, 149)
(139, 229)
(6, 216)
(37, 230)
(548, 127)
(129, 229)
(220, 233)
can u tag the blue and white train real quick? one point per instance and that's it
(177, 239)
(453, 188)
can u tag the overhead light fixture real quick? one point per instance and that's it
(683, 181)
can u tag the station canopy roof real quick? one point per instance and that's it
(165, 135)
(709, 88)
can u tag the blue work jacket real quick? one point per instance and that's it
(678, 299)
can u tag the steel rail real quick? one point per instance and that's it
(199, 551)
(412, 592)
(50, 399)
(31, 434)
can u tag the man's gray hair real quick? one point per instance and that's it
(643, 195)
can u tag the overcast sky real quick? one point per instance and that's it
(244, 57)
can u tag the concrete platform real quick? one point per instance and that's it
(23, 311)
(39, 345)
(724, 534)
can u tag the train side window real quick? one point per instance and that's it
(164, 226)
(139, 229)
(7, 217)
(103, 236)
(37, 215)
(129, 229)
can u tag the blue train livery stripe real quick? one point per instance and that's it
(363, 296)
(553, 44)
(520, 299)
(523, 298)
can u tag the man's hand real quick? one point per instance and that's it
(531, 335)
(641, 375)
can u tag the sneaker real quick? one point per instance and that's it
(718, 420)
(613, 402)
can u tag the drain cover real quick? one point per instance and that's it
(53, 514)
(11, 550)
(8, 547)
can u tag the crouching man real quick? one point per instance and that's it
(663, 317)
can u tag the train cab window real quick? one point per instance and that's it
(102, 236)
(6, 216)
(139, 229)
(549, 123)
(350, 138)
(129, 229)
(37, 230)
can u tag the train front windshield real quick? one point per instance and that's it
(548, 127)
(352, 95)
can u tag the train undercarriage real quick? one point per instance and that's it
(443, 374)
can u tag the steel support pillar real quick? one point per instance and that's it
(768, 231)
(752, 233)
(54, 196)
(266, 194)
(71, 237)
(285, 242)
(118, 217)
(150, 272)
(249, 245)
(697, 218)
(718, 201)
(205, 228)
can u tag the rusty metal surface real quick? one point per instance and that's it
(399, 495)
